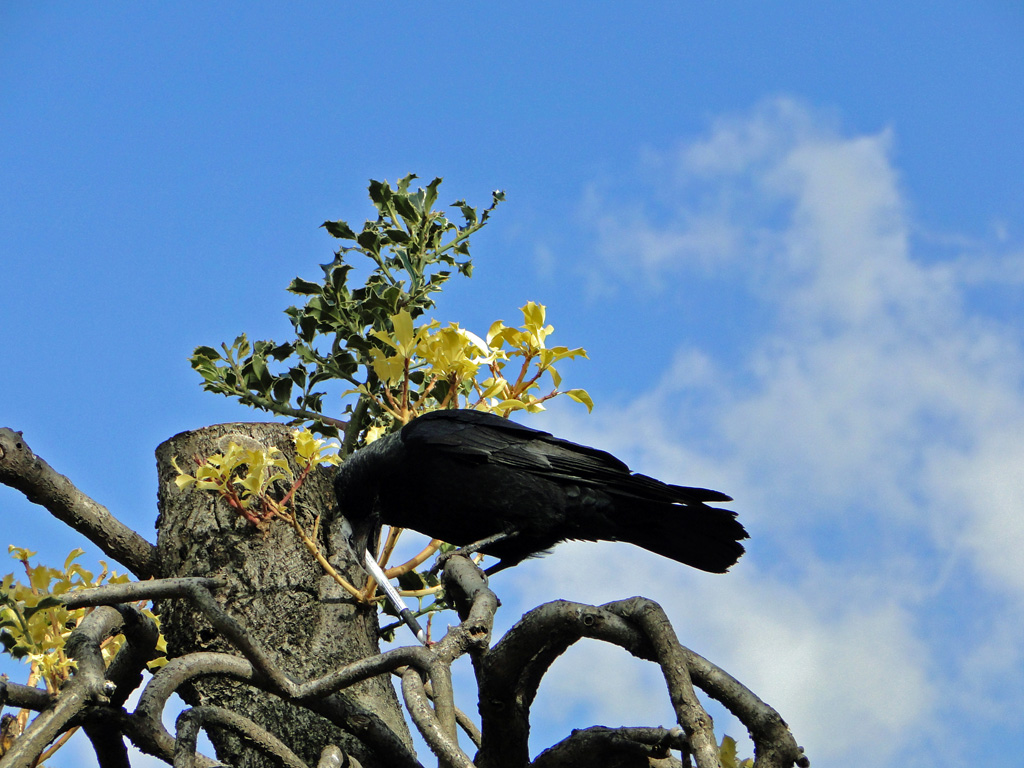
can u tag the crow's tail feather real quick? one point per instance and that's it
(697, 535)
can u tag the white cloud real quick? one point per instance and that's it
(873, 365)
(982, 490)
(829, 659)
(872, 433)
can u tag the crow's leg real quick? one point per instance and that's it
(475, 547)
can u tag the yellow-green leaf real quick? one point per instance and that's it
(727, 752)
(20, 553)
(402, 323)
(581, 396)
(73, 555)
(533, 315)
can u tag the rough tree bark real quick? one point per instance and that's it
(277, 591)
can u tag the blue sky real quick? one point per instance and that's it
(790, 239)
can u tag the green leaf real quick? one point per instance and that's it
(407, 210)
(208, 353)
(412, 580)
(304, 287)
(241, 345)
(468, 212)
(430, 196)
(283, 390)
(369, 240)
(339, 229)
(398, 236)
(307, 328)
(338, 276)
(378, 191)
(402, 255)
(7, 640)
(261, 376)
(298, 376)
(405, 181)
(282, 351)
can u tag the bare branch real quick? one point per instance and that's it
(774, 745)
(190, 721)
(468, 726)
(153, 739)
(476, 604)
(615, 748)
(136, 591)
(389, 661)
(24, 696)
(509, 674)
(431, 727)
(23, 470)
(461, 718)
(108, 744)
(673, 660)
(336, 708)
(333, 757)
(124, 674)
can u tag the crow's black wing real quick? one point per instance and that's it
(474, 436)
(478, 437)
(470, 475)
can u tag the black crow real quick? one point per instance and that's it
(467, 476)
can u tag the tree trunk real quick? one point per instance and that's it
(290, 607)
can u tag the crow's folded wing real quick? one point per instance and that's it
(476, 437)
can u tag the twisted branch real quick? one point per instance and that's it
(620, 747)
(191, 720)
